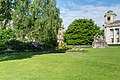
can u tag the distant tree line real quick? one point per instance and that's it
(29, 20)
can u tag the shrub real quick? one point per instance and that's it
(5, 35)
(113, 44)
(65, 46)
(24, 46)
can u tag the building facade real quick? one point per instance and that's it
(111, 28)
(60, 35)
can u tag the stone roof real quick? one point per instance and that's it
(116, 22)
(110, 12)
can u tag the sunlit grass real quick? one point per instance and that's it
(96, 64)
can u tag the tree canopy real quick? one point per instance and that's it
(81, 32)
(5, 12)
(31, 20)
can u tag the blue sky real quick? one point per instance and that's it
(90, 9)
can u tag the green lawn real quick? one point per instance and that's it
(96, 64)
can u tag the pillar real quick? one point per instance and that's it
(114, 36)
(119, 35)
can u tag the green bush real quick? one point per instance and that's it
(62, 48)
(77, 50)
(59, 50)
(65, 46)
(5, 35)
(81, 32)
(113, 44)
(23, 46)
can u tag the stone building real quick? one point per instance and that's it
(60, 35)
(111, 28)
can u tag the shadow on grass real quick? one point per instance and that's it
(11, 55)
(24, 55)
(7, 57)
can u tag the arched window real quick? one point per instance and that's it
(108, 18)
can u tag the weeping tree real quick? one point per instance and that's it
(37, 20)
(47, 22)
(6, 34)
(54, 22)
(22, 22)
(5, 13)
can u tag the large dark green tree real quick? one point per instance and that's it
(6, 34)
(37, 20)
(30, 20)
(81, 32)
(52, 22)
(21, 19)
(5, 12)
(47, 21)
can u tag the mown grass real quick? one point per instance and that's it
(96, 64)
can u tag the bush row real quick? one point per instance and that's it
(113, 44)
(18, 46)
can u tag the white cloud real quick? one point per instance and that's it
(88, 11)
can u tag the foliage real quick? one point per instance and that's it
(63, 45)
(48, 23)
(101, 32)
(62, 48)
(113, 44)
(80, 46)
(74, 49)
(37, 21)
(5, 35)
(31, 20)
(59, 50)
(81, 32)
(22, 21)
(24, 46)
(5, 12)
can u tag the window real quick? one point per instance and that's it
(117, 40)
(112, 40)
(108, 18)
(117, 31)
(111, 31)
